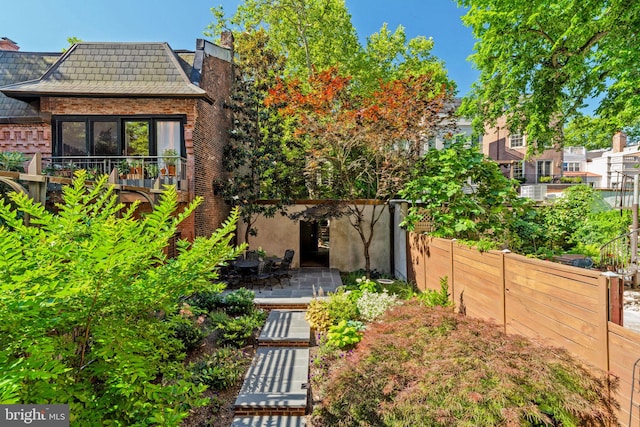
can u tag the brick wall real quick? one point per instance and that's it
(209, 138)
(26, 138)
(495, 145)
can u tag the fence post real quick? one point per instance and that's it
(451, 275)
(503, 294)
(615, 300)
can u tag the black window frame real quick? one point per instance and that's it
(89, 120)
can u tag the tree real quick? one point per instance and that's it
(362, 147)
(540, 64)
(311, 34)
(86, 303)
(461, 194)
(71, 40)
(257, 156)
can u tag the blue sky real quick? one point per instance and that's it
(44, 25)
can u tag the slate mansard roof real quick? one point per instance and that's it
(15, 67)
(114, 70)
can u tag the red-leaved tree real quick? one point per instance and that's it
(362, 145)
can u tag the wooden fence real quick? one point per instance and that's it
(559, 305)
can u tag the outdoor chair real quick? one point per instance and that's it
(288, 255)
(265, 273)
(283, 272)
(230, 276)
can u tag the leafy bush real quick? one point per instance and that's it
(434, 367)
(220, 370)
(372, 305)
(401, 289)
(341, 307)
(239, 302)
(12, 161)
(207, 300)
(238, 331)
(84, 292)
(432, 298)
(317, 315)
(345, 334)
(187, 331)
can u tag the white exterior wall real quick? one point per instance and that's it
(599, 165)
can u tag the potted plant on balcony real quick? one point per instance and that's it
(152, 170)
(135, 169)
(123, 168)
(12, 161)
(170, 158)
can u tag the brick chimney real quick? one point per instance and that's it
(8, 44)
(619, 142)
(227, 40)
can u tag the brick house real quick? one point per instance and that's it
(142, 112)
(509, 151)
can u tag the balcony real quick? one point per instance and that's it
(147, 172)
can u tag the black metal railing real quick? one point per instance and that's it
(140, 171)
(619, 256)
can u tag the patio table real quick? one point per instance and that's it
(246, 264)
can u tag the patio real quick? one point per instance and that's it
(304, 284)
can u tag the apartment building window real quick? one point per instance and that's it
(516, 141)
(571, 167)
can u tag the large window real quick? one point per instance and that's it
(571, 166)
(516, 141)
(105, 136)
(544, 168)
(74, 136)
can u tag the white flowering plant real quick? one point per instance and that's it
(372, 305)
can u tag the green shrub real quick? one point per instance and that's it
(341, 307)
(430, 366)
(239, 302)
(12, 161)
(207, 300)
(84, 296)
(238, 331)
(220, 370)
(400, 288)
(432, 298)
(187, 331)
(345, 334)
(317, 315)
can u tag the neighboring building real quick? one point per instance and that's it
(615, 163)
(109, 107)
(464, 129)
(509, 151)
(575, 165)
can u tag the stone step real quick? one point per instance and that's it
(276, 383)
(269, 421)
(285, 328)
(273, 303)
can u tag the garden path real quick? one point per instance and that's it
(275, 392)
